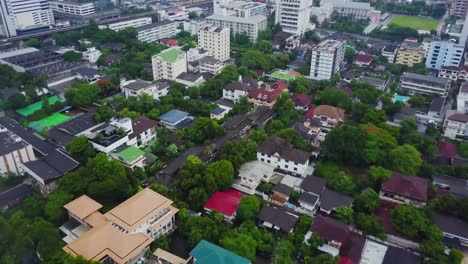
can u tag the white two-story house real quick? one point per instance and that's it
(138, 87)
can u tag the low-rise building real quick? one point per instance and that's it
(208, 253)
(135, 88)
(302, 101)
(424, 84)
(463, 73)
(121, 25)
(280, 154)
(266, 96)
(91, 55)
(377, 83)
(449, 72)
(330, 200)
(225, 203)
(334, 233)
(363, 60)
(251, 174)
(144, 131)
(211, 65)
(280, 194)
(169, 64)
(218, 113)
(309, 203)
(285, 41)
(403, 189)
(13, 153)
(190, 79)
(156, 31)
(277, 219)
(130, 157)
(462, 98)
(409, 53)
(194, 25)
(134, 223)
(389, 52)
(239, 25)
(175, 119)
(456, 125)
(235, 90)
(328, 115)
(111, 135)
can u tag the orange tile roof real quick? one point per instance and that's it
(82, 206)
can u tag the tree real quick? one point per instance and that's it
(248, 209)
(81, 149)
(462, 149)
(241, 244)
(54, 211)
(17, 101)
(432, 130)
(367, 201)
(193, 15)
(371, 225)
(82, 94)
(71, 56)
(203, 129)
(34, 42)
(408, 126)
(342, 182)
(223, 173)
(239, 152)
(103, 114)
(409, 221)
(405, 159)
(284, 253)
(344, 214)
(334, 97)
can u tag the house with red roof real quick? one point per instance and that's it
(447, 151)
(266, 96)
(333, 233)
(225, 203)
(404, 189)
(302, 101)
(171, 42)
(363, 60)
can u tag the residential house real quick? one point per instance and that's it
(211, 65)
(363, 60)
(333, 232)
(285, 41)
(208, 253)
(302, 101)
(111, 135)
(130, 156)
(87, 74)
(330, 200)
(162, 256)
(279, 153)
(134, 223)
(313, 184)
(435, 113)
(462, 98)
(277, 219)
(454, 229)
(218, 113)
(175, 119)
(403, 189)
(266, 96)
(225, 203)
(463, 73)
(309, 203)
(329, 116)
(449, 72)
(280, 195)
(14, 195)
(135, 88)
(377, 83)
(455, 125)
(190, 79)
(310, 129)
(144, 131)
(424, 84)
(234, 91)
(251, 174)
(91, 55)
(389, 52)
(14, 153)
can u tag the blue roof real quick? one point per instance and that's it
(208, 253)
(173, 116)
(218, 111)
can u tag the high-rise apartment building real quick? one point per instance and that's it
(216, 40)
(327, 59)
(19, 16)
(444, 53)
(239, 25)
(458, 8)
(169, 64)
(293, 15)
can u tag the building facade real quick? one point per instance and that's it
(216, 40)
(456, 126)
(239, 25)
(156, 31)
(135, 88)
(19, 16)
(138, 22)
(14, 153)
(444, 53)
(462, 98)
(169, 64)
(73, 8)
(293, 15)
(458, 8)
(408, 55)
(327, 59)
(424, 84)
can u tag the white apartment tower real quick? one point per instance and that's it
(216, 40)
(169, 64)
(327, 59)
(21, 16)
(293, 15)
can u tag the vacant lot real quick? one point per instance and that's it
(418, 23)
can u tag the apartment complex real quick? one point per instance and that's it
(424, 84)
(239, 8)
(409, 53)
(73, 8)
(169, 64)
(138, 22)
(293, 15)
(444, 53)
(458, 8)
(18, 16)
(327, 59)
(156, 31)
(216, 40)
(238, 25)
(121, 235)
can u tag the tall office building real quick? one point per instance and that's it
(293, 15)
(327, 59)
(444, 53)
(19, 16)
(216, 40)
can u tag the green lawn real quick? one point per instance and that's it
(30, 109)
(418, 23)
(282, 75)
(53, 120)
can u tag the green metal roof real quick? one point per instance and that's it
(170, 55)
(208, 253)
(130, 154)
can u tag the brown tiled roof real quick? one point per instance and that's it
(142, 124)
(278, 145)
(82, 207)
(407, 186)
(458, 118)
(330, 111)
(330, 229)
